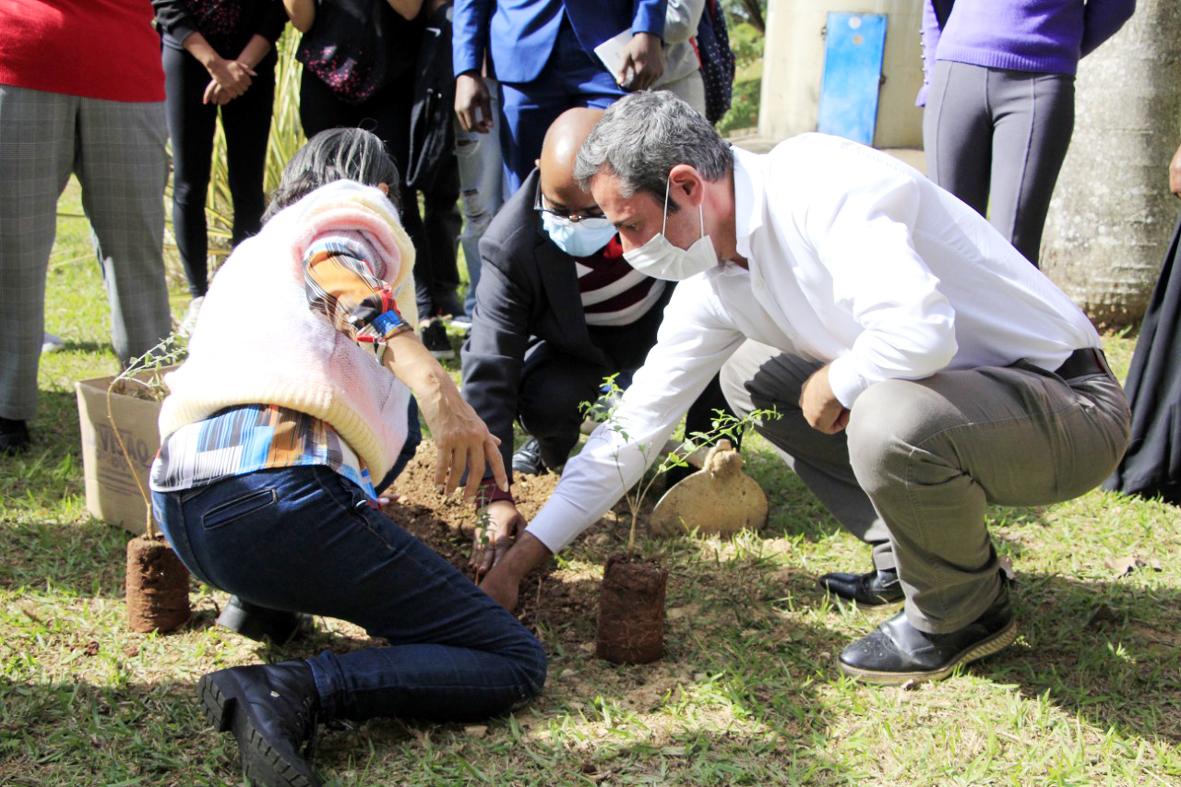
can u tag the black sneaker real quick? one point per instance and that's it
(14, 436)
(271, 710)
(527, 458)
(434, 336)
(896, 652)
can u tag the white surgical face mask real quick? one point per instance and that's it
(662, 260)
(577, 238)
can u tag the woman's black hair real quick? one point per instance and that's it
(335, 154)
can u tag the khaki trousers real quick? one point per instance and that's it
(921, 459)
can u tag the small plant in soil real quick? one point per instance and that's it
(632, 595)
(157, 590)
(483, 529)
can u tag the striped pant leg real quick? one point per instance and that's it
(36, 154)
(122, 166)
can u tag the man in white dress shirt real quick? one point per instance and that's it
(922, 367)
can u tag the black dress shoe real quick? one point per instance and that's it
(262, 624)
(271, 710)
(897, 652)
(434, 337)
(14, 436)
(872, 589)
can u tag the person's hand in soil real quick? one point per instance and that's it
(504, 579)
(498, 537)
(462, 440)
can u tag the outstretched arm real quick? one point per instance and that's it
(344, 283)
(695, 340)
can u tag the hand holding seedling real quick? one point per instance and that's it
(504, 579)
(496, 532)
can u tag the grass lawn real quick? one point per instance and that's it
(747, 694)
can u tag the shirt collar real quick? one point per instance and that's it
(748, 197)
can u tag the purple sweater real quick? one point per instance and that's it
(1041, 36)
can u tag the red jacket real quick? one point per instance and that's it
(94, 48)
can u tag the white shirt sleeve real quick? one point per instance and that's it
(864, 240)
(694, 341)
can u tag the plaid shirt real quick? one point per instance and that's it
(341, 285)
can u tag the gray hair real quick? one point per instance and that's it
(642, 136)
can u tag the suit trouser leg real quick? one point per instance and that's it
(36, 152)
(553, 385)
(760, 377)
(122, 166)
(932, 454)
(570, 78)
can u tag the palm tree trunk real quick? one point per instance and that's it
(1111, 215)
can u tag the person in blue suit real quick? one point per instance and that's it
(542, 54)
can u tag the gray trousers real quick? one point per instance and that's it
(997, 139)
(116, 149)
(921, 460)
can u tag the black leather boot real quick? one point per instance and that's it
(271, 709)
(14, 436)
(872, 589)
(897, 652)
(260, 623)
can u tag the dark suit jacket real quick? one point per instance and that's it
(528, 292)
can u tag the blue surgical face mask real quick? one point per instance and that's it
(577, 238)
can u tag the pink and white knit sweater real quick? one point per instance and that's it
(257, 342)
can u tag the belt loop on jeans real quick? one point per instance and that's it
(1083, 363)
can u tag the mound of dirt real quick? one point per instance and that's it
(447, 525)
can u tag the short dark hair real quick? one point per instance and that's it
(335, 154)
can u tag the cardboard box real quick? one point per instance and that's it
(111, 490)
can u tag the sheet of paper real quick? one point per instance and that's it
(612, 53)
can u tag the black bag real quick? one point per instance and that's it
(357, 47)
(432, 134)
(717, 61)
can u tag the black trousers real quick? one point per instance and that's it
(247, 124)
(555, 384)
(1152, 464)
(435, 229)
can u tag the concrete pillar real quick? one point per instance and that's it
(793, 63)
(1112, 214)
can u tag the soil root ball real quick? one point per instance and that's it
(157, 587)
(631, 611)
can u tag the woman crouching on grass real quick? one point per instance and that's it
(292, 401)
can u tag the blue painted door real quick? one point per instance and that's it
(852, 75)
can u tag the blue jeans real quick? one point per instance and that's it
(305, 539)
(481, 188)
